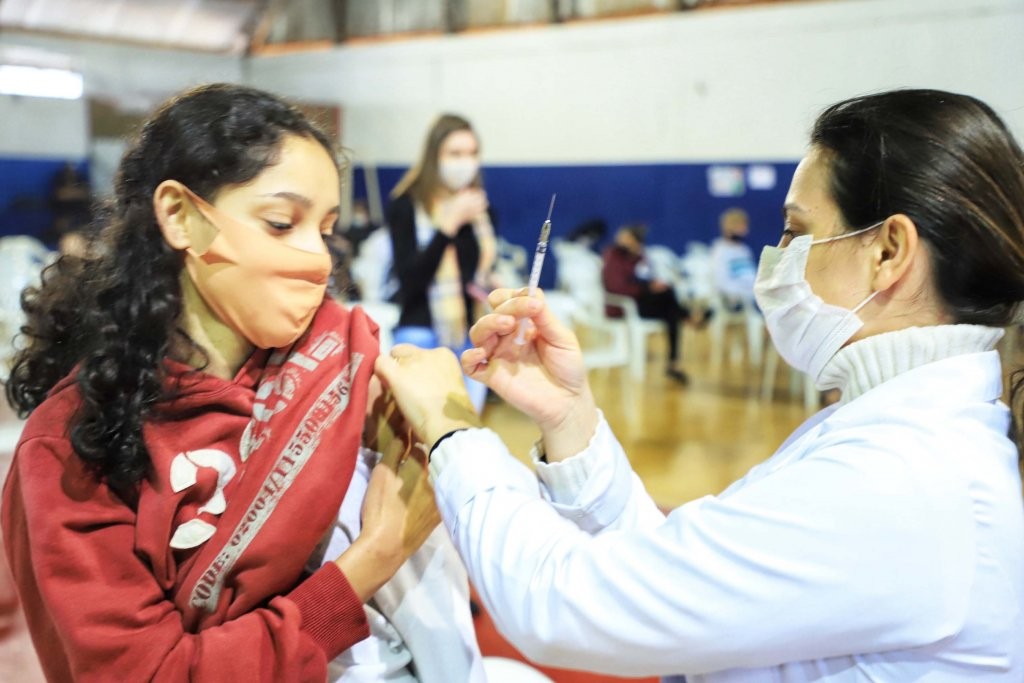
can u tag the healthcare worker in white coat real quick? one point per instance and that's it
(884, 540)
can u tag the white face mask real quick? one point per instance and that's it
(806, 331)
(458, 173)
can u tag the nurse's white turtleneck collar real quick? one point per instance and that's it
(867, 363)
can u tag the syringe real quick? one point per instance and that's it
(538, 263)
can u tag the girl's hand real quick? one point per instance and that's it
(399, 513)
(464, 207)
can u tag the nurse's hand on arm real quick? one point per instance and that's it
(428, 387)
(545, 377)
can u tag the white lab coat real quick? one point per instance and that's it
(421, 629)
(884, 541)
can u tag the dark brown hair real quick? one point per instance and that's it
(113, 320)
(949, 163)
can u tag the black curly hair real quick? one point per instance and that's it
(114, 318)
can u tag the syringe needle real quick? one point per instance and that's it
(538, 263)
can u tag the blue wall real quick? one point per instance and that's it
(673, 199)
(24, 193)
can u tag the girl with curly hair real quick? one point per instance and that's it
(196, 410)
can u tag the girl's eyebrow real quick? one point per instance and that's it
(301, 200)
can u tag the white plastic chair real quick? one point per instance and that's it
(731, 305)
(694, 289)
(579, 275)
(579, 278)
(665, 263)
(640, 329)
(510, 265)
(724, 318)
(371, 270)
(695, 268)
(562, 305)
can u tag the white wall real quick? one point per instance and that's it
(136, 77)
(710, 85)
(33, 127)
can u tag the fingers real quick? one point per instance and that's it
(405, 482)
(428, 387)
(553, 330)
(474, 362)
(411, 471)
(383, 477)
(394, 452)
(501, 295)
(399, 351)
(389, 365)
(385, 367)
(487, 331)
(492, 332)
(375, 391)
(520, 306)
(548, 326)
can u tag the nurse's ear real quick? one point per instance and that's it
(894, 251)
(172, 209)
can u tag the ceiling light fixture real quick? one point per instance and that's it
(31, 81)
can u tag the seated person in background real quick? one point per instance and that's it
(345, 245)
(627, 273)
(70, 203)
(732, 263)
(589, 233)
(341, 283)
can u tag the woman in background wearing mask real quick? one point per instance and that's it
(884, 540)
(197, 410)
(442, 237)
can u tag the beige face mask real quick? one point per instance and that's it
(265, 290)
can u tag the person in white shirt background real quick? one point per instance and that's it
(884, 540)
(732, 261)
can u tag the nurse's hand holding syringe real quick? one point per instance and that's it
(545, 378)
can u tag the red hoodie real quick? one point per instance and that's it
(107, 598)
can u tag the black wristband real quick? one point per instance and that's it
(445, 436)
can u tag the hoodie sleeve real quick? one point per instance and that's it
(97, 612)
